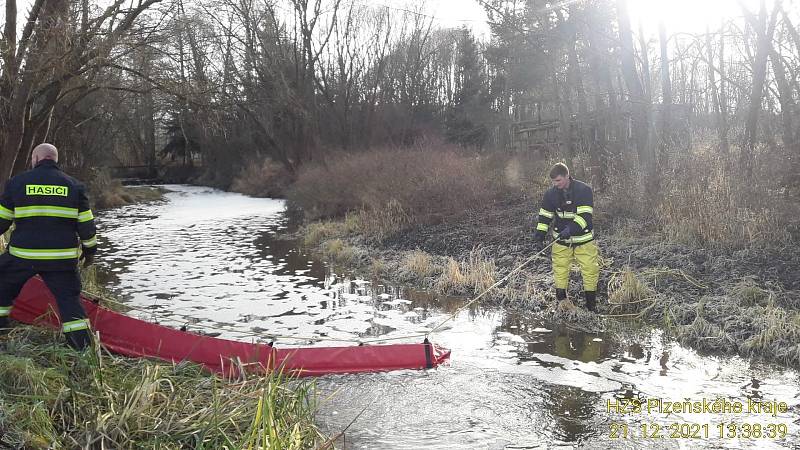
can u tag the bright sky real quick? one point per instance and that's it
(447, 13)
(678, 15)
(691, 15)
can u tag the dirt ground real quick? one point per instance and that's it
(506, 233)
(733, 302)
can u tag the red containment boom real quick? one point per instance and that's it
(133, 337)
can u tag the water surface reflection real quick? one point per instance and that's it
(210, 261)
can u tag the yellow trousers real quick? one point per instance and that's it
(586, 256)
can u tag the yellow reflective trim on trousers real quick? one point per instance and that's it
(75, 325)
(545, 213)
(85, 216)
(585, 210)
(44, 253)
(542, 227)
(581, 221)
(576, 239)
(583, 238)
(45, 211)
(5, 311)
(91, 242)
(6, 213)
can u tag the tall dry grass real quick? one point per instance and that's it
(702, 198)
(419, 263)
(339, 252)
(473, 275)
(265, 179)
(105, 192)
(710, 204)
(705, 199)
(52, 397)
(413, 184)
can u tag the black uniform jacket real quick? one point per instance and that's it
(52, 218)
(572, 207)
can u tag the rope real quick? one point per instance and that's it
(356, 341)
(468, 304)
(380, 339)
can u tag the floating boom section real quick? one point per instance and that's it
(129, 336)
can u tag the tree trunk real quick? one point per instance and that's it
(640, 104)
(785, 99)
(764, 31)
(565, 118)
(666, 94)
(720, 119)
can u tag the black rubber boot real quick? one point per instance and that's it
(5, 325)
(591, 300)
(79, 339)
(561, 294)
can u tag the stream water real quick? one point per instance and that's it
(210, 261)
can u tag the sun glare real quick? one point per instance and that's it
(687, 15)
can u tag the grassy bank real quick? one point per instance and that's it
(708, 259)
(106, 192)
(52, 397)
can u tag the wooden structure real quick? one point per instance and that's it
(608, 129)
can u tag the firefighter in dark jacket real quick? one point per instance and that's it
(54, 228)
(566, 214)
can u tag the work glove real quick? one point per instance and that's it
(565, 233)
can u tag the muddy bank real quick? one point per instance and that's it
(513, 380)
(741, 301)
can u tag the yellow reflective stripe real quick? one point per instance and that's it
(6, 213)
(44, 253)
(576, 239)
(585, 210)
(542, 227)
(5, 311)
(45, 211)
(583, 238)
(91, 242)
(581, 221)
(545, 213)
(75, 325)
(566, 214)
(85, 216)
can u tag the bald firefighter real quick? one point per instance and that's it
(566, 214)
(54, 228)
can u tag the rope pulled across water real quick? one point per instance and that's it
(273, 336)
(497, 283)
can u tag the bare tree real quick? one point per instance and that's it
(38, 66)
(640, 102)
(764, 28)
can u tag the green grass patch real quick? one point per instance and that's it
(53, 397)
